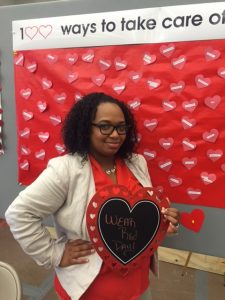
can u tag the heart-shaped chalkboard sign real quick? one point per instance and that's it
(125, 228)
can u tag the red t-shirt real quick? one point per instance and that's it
(109, 285)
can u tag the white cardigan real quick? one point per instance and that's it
(63, 190)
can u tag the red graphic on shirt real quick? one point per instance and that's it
(174, 90)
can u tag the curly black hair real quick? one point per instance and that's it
(77, 125)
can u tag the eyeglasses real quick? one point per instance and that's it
(108, 129)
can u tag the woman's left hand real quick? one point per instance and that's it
(173, 216)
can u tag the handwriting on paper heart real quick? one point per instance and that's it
(24, 165)
(212, 102)
(166, 143)
(187, 122)
(177, 87)
(153, 83)
(119, 87)
(27, 115)
(211, 54)
(174, 181)
(55, 120)
(135, 76)
(188, 145)
(189, 162)
(31, 66)
(42, 106)
(98, 79)
(25, 133)
(134, 104)
(26, 93)
(193, 220)
(165, 165)
(210, 136)
(151, 124)
(149, 154)
(72, 76)
(214, 155)
(207, 178)
(60, 98)
(167, 50)
(19, 59)
(179, 62)
(104, 64)
(190, 105)
(149, 58)
(194, 193)
(43, 136)
(40, 154)
(202, 82)
(120, 64)
(88, 56)
(71, 58)
(169, 105)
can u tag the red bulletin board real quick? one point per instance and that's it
(175, 90)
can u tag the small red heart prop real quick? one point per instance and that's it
(149, 58)
(125, 228)
(193, 220)
(167, 50)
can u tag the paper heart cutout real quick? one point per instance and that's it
(120, 64)
(212, 102)
(126, 229)
(211, 54)
(149, 58)
(46, 84)
(193, 193)
(25, 133)
(88, 56)
(19, 59)
(177, 87)
(60, 148)
(169, 105)
(202, 82)
(60, 98)
(223, 167)
(25, 150)
(166, 143)
(189, 163)
(24, 165)
(40, 154)
(174, 181)
(187, 122)
(31, 66)
(78, 96)
(210, 136)
(214, 155)
(193, 220)
(165, 165)
(167, 50)
(98, 79)
(119, 87)
(151, 124)
(42, 106)
(188, 145)
(72, 76)
(153, 83)
(134, 104)
(104, 64)
(52, 59)
(55, 120)
(221, 72)
(207, 178)
(43, 136)
(27, 115)
(135, 76)
(190, 105)
(71, 58)
(179, 62)
(26, 93)
(149, 154)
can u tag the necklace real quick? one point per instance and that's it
(110, 171)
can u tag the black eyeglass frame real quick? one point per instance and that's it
(112, 127)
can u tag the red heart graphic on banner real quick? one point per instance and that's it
(190, 105)
(210, 136)
(42, 106)
(25, 150)
(46, 84)
(119, 87)
(169, 105)
(55, 120)
(208, 178)
(126, 229)
(60, 98)
(188, 123)
(120, 64)
(151, 124)
(24, 165)
(25, 133)
(40, 154)
(43, 136)
(188, 145)
(202, 82)
(177, 87)
(31, 66)
(60, 148)
(134, 104)
(98, 79)
(179, 62)
(26, 93)
(135, 76)
(27, 115)
(153, 83)
(189, 163)
(214, 155)
(193, 220)
(166, 143)
(166, 165)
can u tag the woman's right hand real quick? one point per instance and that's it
(76, 252)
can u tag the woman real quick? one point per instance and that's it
(100, 136)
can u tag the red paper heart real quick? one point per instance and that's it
(193, 220)
(116, 220)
